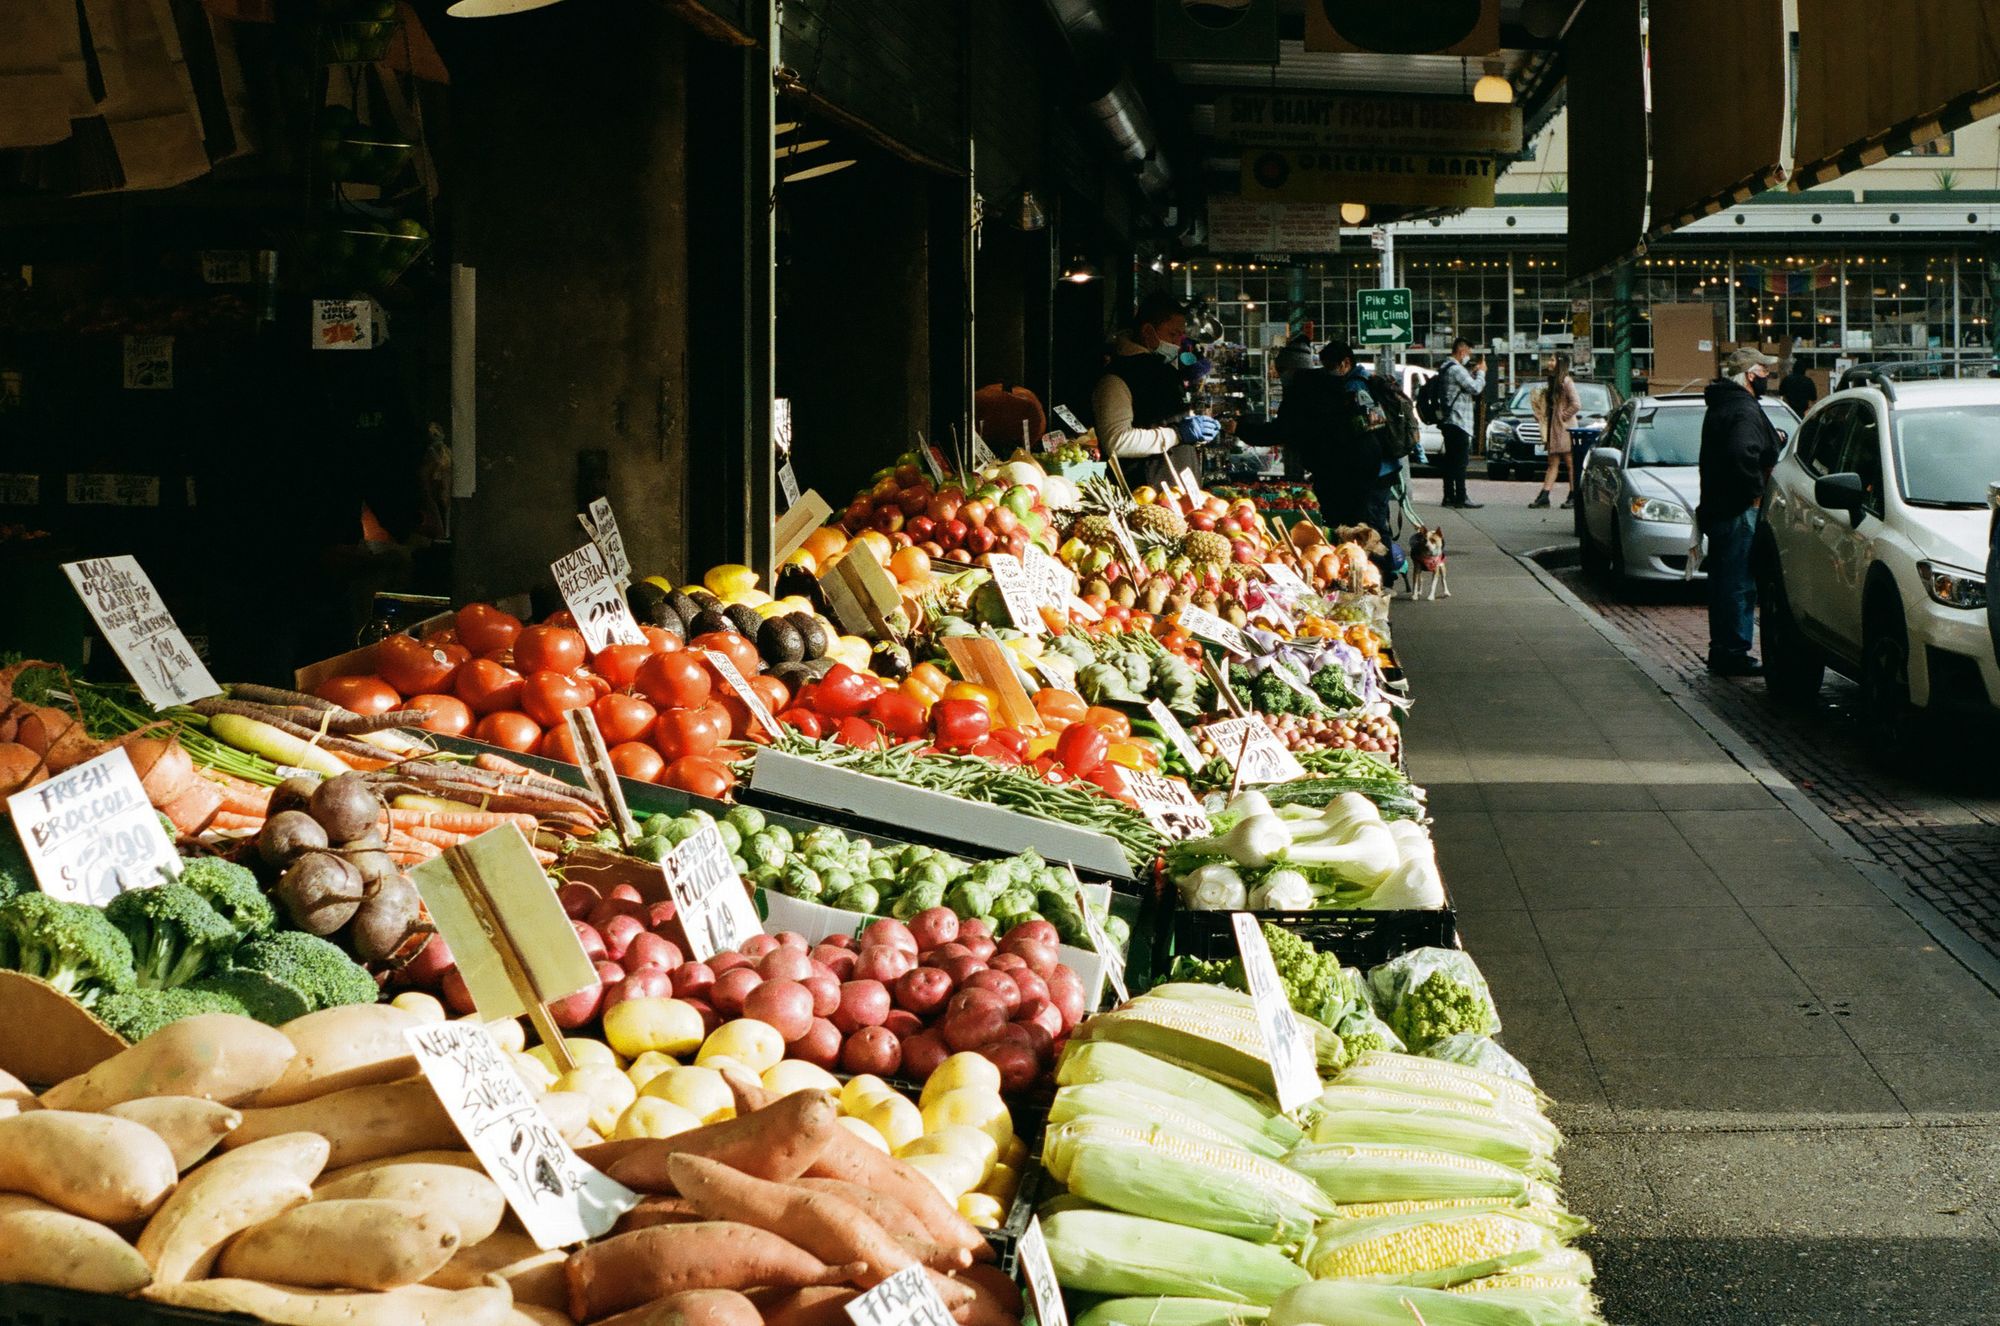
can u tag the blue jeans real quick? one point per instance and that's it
(1732, 594)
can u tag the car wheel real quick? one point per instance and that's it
(1614, 561)
(1497, 471)
(1885, 673)
(1793, 669)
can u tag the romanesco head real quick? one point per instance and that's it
(1441, 1007)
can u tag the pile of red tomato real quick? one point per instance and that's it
(663, 710)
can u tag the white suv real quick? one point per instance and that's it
(1871, 554)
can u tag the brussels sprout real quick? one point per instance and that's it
(652, 847)
(1118, 931)
(836, 880)
(739, 865)
(917, 900)
(1015, 902)
(732, 841)
(765, 877)
(761, 849)
(799, 880)
(857, 898)
(746, 820)
(780, 835)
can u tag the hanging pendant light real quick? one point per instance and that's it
(1080, 271)
(1353, 214)
(1493, 89)
(1028, 213)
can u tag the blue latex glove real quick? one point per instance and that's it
(1198, 428)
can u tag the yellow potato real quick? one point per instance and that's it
(980, 1109)
(754, 1044)
(959, 1071)
(426, 1007)
(669, 1026)
(700, 1091)
(1014, 1152)
(899, 1122)
(982, 1210)
(954, 1175)
(1001, 1183)
(782, 1079)
(864, 1131)
(582, 1049)
(537, 1074)
(653, 1116)
(861, 1091)
(508, 1032)
(645, 1067)
(957, 1140)
(609, 1090)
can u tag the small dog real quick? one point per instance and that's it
(1426, 559)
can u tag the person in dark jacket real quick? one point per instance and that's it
(1798, 389)
(1331, 419)
(1739, 446)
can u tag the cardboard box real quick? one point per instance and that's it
(1685, 338)
(45, 1036)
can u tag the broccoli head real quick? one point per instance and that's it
(68, 944)
(1439, 1007)
(318, 970)
(174, 933)
(256, 994)
(234, 893)
(16, 875)
(137, 1014)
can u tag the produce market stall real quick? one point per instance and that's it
(1025, 893)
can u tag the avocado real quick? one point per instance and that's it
(683, 605)
(779, 641)
(707, 621)
(705, 599)
(794, 675)
(811, 634)
(648, 603)
(817, 667)
(671, 623)
(748, 623)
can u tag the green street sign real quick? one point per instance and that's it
(1383, 317)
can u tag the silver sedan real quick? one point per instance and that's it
(1639, 487)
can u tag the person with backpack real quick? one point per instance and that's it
(1449, 400)
(1332, 415)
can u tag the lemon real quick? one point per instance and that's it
(756, 1045)
(981, 1210)
(964, 1069)
(749, 598)
(728, 578)
(983, 1110)
(654, 1116)
(699, 1091)
(861, 1091)
(664, 586)
(783, 1079)
(803, 558)
(864, 1132)
(609, 1091)
(648, 1066)
(899, 1122)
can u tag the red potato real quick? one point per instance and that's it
(592, 940)
(624, 893)
(660, 917)
(618, 933)
(883, 962)
(872, 1050)
(785, 964)
(980, 946)
(971, 928)
(650, 950)
(839, 961)
(1069, 1001)
(863, 1003)
(963, 969)
(888, 930)
(710, 1019)
(757, 946)
(1037, 1038)
(972, 1019)
(609, 906)
(692, 980)
(784, 1005)
(1031, 986)
(1017, 1064)
(934, 926)
(944, 953)
(427, 968)
(825, 988)
(732, 988)
(922, 1053)
(820, 1045)
(923, 990)
(793, 939)
(723, 962)
(1040, 1013)
(840, 941)
(456, 993)
(1008, 962)
(1041, 958)
(1041, 932)
(902, 1023)
(580, 1008)
(1001, 984)
(644, 983)
(578, 900)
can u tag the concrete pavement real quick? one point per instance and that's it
(1782, 1093)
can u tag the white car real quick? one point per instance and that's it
(1871, 554)
(1430, 438)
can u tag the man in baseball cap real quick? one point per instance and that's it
(1739, 447)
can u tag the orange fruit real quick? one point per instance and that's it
(876, 542)
(825, 543)
(910, 564)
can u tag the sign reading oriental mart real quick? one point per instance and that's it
(1409, 179)
(1403, 124)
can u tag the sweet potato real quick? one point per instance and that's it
(15, 1098)
(92, 1165)
(992, 1280)
(190, 1126)
(899, 1220)
(510, 1256)
(357, 1243)
(832, 1230)
(473, 1202)
(460, 1158)
(845, 1156)
(230, 1193)
(778, 1143)
(658, 1211)
(629, 1269)
(413, 1305)
(355, 1045)
(692, 1307)
(820, 1306)
(44, 1245)
(985, 1308)
(360, 1123)
(530, 1314)
(216, 1056)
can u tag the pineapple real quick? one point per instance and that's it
(1100, 497)
(1207, 548)
(1159, 521)
(1095, 531)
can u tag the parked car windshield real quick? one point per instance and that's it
(1671, 435)
(1595, 396)
(1947, 455)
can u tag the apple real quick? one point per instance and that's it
(1003, 521)
(952, 533)
(914, 501)
(932, 549)
(920, 527)
(855, 518)
(943, 507)
(1201, 520)
(974, 513)
(980, 540)
(887, 519)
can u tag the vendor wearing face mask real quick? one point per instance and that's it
(1140, 402)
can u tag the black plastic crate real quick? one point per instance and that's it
(39, 1305)
(1359, 939)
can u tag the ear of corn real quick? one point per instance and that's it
(1487, 1139)
(1370, 1172)
(1086, 1061)
(1199, 1037)
(1362, 1303)
(1236, 1005)
(1552, 1268)
(1465, 1076)
(1425, 1250)
(1145, 1170)
(1134, 1101)
(1171, 1312)
(1109, 1252)
(1344, 1094)
(1563, 1224)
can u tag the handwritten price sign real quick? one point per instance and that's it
(127, 609)
(1253, 751)
(1292, 1058)
(1168, 804)
(593, 598)
(715, 909)
(90, 832)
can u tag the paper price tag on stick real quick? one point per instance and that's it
(1020, 591)
(597, 771)
(90, 832)
(602, 527)
(732, 677)
(714, 908)
(1070, 421)
(594, 599)
(1253, 751)
(982, 455)
(1285, 578)
(1032, 1252)
(140, 630)
(1169, 804)
(560, 1199)
(1205, 625)
(788, 483)
(1114, 957)
(1176, 734)
(906, 1298)
(1285, 1040)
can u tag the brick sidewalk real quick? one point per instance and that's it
(1935, 825)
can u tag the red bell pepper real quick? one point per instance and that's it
(998, 751)
(1112, 779)
(960, 724)
(1081, 748)
(805, 720)
(900, 716)
(859, 732)
(842, 693)
(1012, 738)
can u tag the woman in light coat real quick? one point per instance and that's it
(1556, 408)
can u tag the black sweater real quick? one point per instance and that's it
(1739, 445)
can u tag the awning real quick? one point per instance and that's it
(1718, 73)
(1876, 81)
(1607, 136)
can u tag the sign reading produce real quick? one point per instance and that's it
(91, 833)
(592, 595)
(127, 609)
